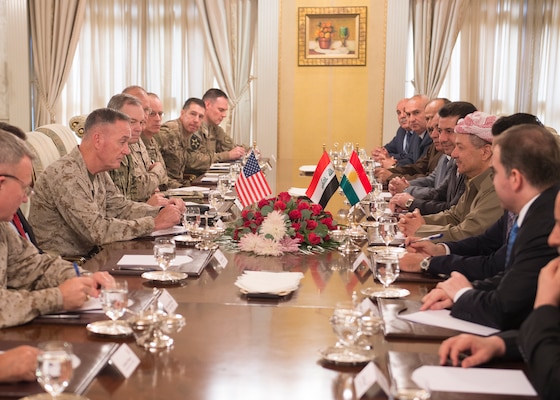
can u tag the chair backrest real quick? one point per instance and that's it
(45, 152)
(62, 137)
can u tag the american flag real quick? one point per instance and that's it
(251, 186)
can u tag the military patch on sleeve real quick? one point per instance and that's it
(195, 142)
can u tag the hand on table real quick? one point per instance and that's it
(410, 222)
(481, 349)
(18, 364)
(397, 185)
(236, 153)
(158, 200)
(167, 217)
(437, 299)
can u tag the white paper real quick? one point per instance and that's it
(174, 230)
(474, 380)
(188, 189)
(307, 168)
(297, 192)
(124, 360)
(367, 377)
(149, 260)
(209, 179)
(443, 319)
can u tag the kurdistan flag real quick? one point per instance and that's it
(355, 182)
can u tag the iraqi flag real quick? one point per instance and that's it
(355, 182)
(324, 182)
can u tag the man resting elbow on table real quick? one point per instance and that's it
(77, 207)
(33, 283)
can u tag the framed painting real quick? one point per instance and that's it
(332, 36)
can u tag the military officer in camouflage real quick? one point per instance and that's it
(78, 208)
(137, 177)
(214, 138)
(152, 128)
(32, 284)
(180, 144)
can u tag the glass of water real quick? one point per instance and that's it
(164, 253)
(114, 300)
(386, 267)
(54, 367)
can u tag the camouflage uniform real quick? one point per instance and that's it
(72, 211)
(154, 152)
(183, 153)
(217, 142)
(134, 178)
(32, 279)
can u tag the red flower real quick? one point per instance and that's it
(245, 213)
(263, 202)
(303, 206)
(296, 226)
(314, 239)
(311, 224)
(316, 209)
(280, 205)
(328, 222)
(300, 237)
(284, 197)
(295, 215)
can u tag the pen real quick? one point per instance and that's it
(431, 237)
(75, 265)
(61, 316)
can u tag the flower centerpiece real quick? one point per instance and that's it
(324, 34)
(282, 224)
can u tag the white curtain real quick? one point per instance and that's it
(157, 44)
(229, 28)
(55, 30)
(435, 24)
(510, 57)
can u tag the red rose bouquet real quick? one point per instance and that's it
(283, 224)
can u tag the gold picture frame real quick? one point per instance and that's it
(332, 36)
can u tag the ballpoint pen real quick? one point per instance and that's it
(431, 237)
(75, 265)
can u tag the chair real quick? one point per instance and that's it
(61, 135)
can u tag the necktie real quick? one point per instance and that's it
(19, 225)
(511, 241)
(407, 140)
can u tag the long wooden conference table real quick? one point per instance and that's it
(237, 348)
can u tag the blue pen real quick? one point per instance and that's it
(75, 265)
(431, 237)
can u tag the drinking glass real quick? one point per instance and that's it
(346, 323)
(386, 268)
(347, 149)
(234, 171)
(216, 201)
(376, 189)
(164, 253)
(191, 218)
(54, 366)
(388, 229)
(224, 184)
(114, 299)
(377, 209)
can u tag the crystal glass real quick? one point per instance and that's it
(114, 300)
(347, 149)
(224, 184)
(377, 209)
(54, 366)
(164, 253)
(191, 218)
(376, 189)
(234, 171)
(216, 200)
(386, 268)
(388, 229)
(346, 323)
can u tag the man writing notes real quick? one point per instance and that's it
(526, 166)
(32, 284)
(78, 208)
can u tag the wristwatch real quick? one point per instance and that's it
(408, 203)
(425, 264)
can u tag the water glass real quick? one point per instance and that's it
(346, 323)
(388, 229)
(54, 366)
(164, 253)
(386, 268)
(234, 171)
(224, 184)
(114, 300)
(191, 218)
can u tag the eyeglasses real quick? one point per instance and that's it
(154, 113)
(26, 188)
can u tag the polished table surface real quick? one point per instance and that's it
(235, 348)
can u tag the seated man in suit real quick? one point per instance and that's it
(32, 284)
(479, 206)
(428, 162)
(396, 149)
(526, 166)
(78, 208)
(538, 339)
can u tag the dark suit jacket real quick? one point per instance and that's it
(505, 300)
(444, 196)
(419, 147)
(425, 165)
(539, 342)
(477, 257)
(395, 147)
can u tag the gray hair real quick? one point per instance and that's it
(120, 100)
(103, 116)
(13, 149)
